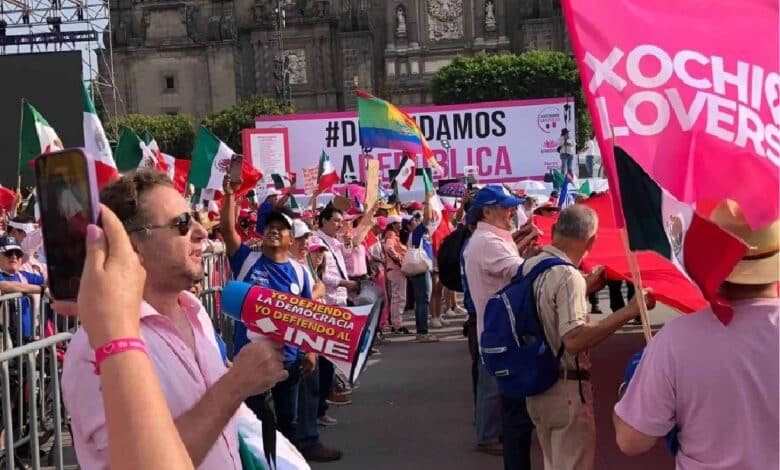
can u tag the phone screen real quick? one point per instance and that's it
(67, 201)
(236, 162)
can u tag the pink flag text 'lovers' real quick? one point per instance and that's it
(690, 90)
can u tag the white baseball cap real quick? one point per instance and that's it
(299, 228)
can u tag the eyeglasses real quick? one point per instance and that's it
(182, 223)
(11, 254)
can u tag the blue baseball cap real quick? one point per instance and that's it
(495, 195)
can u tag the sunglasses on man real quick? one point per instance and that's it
(182, 223)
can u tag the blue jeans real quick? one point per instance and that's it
(488, 407)
(518, 429)
(566, 163)
(589, 165)
(308, 436)
(421, 285)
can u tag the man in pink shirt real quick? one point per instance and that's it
(716, 384)
(202, 395)
(492, 259)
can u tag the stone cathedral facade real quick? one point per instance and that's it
(201, 56)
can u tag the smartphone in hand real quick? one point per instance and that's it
(236, 162)
(68, 202)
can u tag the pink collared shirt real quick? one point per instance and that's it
(184, 377)
(335, 270)
(492, 261)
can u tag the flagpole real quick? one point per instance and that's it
(19, 161)
(634, 267)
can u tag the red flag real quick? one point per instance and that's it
(7, 198)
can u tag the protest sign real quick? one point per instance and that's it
(688, 97)
(310, 179)
(506, 141)
(268, 150)
(372, 182)
(328, 330)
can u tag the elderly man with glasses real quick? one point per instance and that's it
(13, 279)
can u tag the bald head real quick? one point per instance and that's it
(577, 222)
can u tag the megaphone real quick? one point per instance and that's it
(343, 335)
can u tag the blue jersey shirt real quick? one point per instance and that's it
(281, 277)
(420, 235)
(27, 318)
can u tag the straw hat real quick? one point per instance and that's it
(761, 263)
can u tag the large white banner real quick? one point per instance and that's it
(504, 140)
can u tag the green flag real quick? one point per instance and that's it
(585, 189)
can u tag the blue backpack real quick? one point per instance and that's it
(513, 346)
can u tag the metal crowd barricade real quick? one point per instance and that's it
(217, 273)
(27, 420)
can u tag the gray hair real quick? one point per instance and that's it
(577, 222)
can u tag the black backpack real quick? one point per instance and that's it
(448, 258)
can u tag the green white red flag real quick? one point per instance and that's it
(95, 142)
(177, 169)
(211, 162)
(132, 153)
(326, 176)
(36, 137)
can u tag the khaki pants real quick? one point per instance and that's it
(565, 426)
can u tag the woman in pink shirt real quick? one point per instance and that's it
(395, 252)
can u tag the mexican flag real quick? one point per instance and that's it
(406, 172)
(36, 137)
(96, 143)
(211, 161)
(437, 208)
(280, 181)
(177, 169)
(326, 176)
(132, 153)
(656, 221)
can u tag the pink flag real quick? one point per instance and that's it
(692, 97)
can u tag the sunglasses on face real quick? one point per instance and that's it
(14, 253)
(182, 223)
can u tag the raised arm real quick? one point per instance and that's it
(365, 225)
(227, 216)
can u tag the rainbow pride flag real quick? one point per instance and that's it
(382, 125)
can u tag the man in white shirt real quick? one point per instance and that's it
(566, 146)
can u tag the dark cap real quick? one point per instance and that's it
(280, 216)
(9, 243)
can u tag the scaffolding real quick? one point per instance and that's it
(37, 26)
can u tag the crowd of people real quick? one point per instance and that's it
(204, 404)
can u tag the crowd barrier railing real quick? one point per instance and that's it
(30, 394)
(216, 274)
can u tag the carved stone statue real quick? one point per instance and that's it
(445, 19)
(400, 29)
(490, 16)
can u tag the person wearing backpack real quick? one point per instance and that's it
(563, 413)
(492, 259)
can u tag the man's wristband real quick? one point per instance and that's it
(115, 347)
